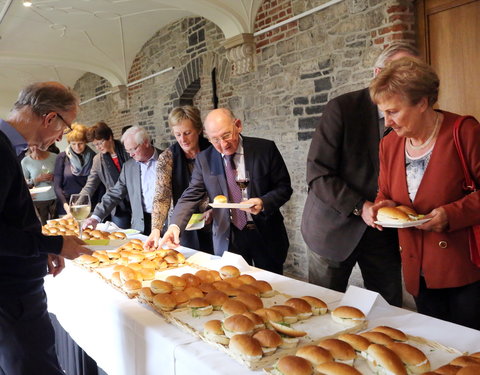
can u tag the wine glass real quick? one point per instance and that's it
(80, 209)
(242, 182)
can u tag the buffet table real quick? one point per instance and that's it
(126, 337)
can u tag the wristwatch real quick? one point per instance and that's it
(357, 211)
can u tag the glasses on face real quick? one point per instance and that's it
(99, 143)
(134, 150)
(69, 126)
(226, 137)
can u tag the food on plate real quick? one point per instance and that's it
(304, 310)
(177, 282)
(392, 215)
(232, 307)
(132, 287)
(220, 199)
(318, 306)
(229, 271)
(384, 361)
(251, 301)
(377, 337)
(119, 235)
(316, 355)
(161, 287)
(465, 360)
(216, 299)
(292, 365)
(213, 331)
(359, 343)
(341, 351)
(200, 307)
(409, 211)
(264, 287)
(146, 294)
(469, 370)
(394, 333)
(193, 292)
(413, 359)
(181, 297)
(335, 368)
(269, 340)
(246, 279)
(288, 312)
(165, 302)
(238, 324)
(256, 319)
(246, 347)
(348, 315)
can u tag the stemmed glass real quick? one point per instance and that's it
(80, 209)
(242, 182)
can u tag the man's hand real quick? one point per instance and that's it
(56, 264)
(90, 221)
(438, 222)
(72, 247)
(171, 238)
(374, 209)
(367, 213)
(152, 241)
(256, 208)
(208, 216)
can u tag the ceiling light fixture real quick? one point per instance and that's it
(27, 3)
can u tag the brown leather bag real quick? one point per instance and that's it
(469, 187)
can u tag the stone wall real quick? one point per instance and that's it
(299, 67)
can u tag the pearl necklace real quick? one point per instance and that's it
(434, 132)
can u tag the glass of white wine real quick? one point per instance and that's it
(80, 209)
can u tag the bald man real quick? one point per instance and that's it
(256, 233)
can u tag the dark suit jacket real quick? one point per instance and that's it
(269, 180)
(444, 257)
(129, 183)
(342, 170)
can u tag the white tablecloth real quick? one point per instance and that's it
(126, 337)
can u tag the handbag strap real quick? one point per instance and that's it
(469, 184)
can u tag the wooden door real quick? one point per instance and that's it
(449, 36)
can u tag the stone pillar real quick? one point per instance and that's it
(240, 51)
(119, 97)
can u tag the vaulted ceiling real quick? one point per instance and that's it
(63, 39)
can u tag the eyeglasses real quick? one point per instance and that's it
(226, 137)
(69, 126)
(99, 143)
(131, 152)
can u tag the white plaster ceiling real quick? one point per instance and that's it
(62, 39)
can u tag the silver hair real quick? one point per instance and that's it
(391, 50)
(138, 133)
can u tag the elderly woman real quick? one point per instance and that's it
(174, 169)
(72, 168)
(420, 168)
(106, 168)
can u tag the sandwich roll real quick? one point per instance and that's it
(340, 350)
(395, 334)
(266, 290)
(292, 365)
(220, 199)
(289, 313)
(213, 331)
(447, 370)
(377, 337)
(269, 340)
(318, 306)
(469, 370)
(465, 360)
(384, 361)
(200, 307)
(335, 368)
(246, 347)
(238, 324)
(348, 316)
(304, 310)
(256, 319)
(227, 272)
(359, 343)
(164, 302)
(413, 359)
(392, 215)
(316, 355)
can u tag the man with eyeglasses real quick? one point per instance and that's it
(257, 233)
(137, 180)
(27, 341)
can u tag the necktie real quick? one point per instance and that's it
(239, 218)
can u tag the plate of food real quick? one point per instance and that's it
(41, 189)
(221, 201)
(399, 217)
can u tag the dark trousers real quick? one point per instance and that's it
(147, 223)
(122, 219)
(459, 305)
(379, 260)
(27, 338)
(251, 246)
(45, 210)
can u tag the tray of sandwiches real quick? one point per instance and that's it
(233, 311)
(382, 350)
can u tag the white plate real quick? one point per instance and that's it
(407, 224)
(41, 189)
(230, 205)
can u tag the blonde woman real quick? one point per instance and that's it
(72, 167)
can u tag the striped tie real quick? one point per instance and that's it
(239, 218)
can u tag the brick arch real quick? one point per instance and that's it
(187, 82)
